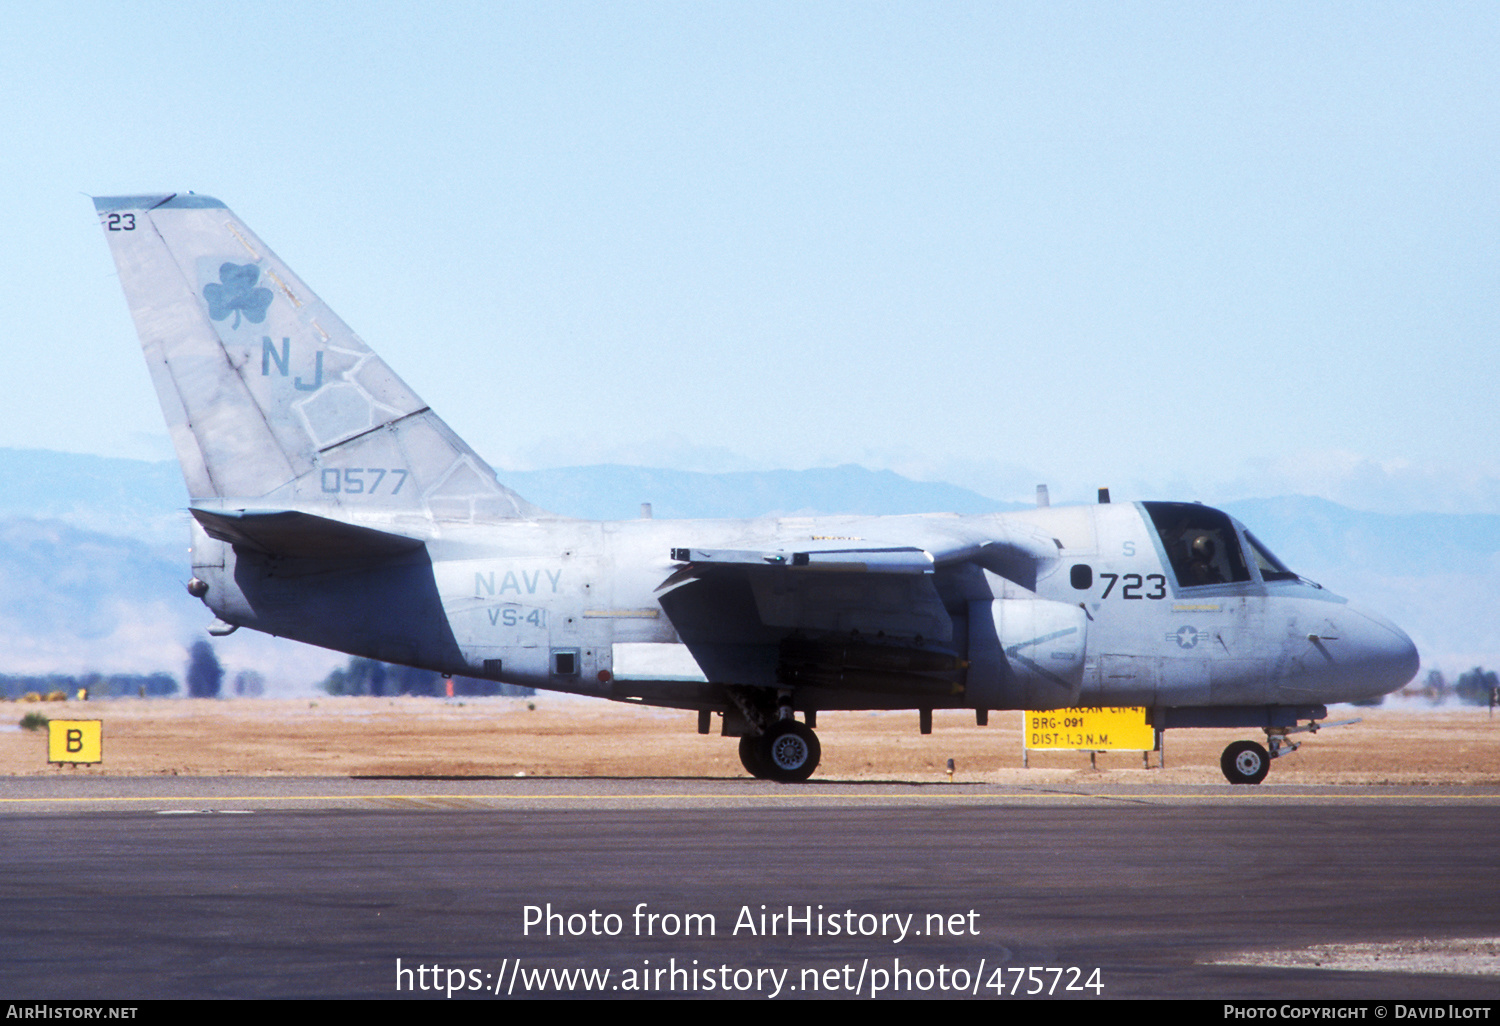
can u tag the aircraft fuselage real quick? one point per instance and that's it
(504, 600)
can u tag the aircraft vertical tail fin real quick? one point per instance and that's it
(267, 393)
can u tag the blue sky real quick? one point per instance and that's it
(1185, 250)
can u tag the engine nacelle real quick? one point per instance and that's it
(1025, 654)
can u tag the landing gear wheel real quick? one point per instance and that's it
(750, 757)
(1245, 762)
(789, 751)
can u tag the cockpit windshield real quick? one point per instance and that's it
(1201, 544)
(1271, 568)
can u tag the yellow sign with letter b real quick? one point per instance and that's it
(75, 741)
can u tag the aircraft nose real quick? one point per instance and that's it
(1388, 658)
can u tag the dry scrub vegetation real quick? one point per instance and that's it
(559, 736)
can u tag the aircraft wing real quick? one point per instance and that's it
(870, 589)
(294, 534)
(733, 608)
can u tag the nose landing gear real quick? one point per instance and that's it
(1246, 762)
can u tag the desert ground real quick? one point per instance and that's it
(562, 736)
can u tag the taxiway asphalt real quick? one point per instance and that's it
(120, 888)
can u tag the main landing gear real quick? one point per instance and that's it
(787, 752)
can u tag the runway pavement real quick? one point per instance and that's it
(131, 888)
(60, 793)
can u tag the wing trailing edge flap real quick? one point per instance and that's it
(297, 535)
(888, 559)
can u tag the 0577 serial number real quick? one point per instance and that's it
(350, 481)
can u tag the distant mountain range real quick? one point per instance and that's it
(1316, 532)
(127, 497)
(612, 492)
(93, 555)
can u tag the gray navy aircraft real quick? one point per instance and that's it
(331, 505)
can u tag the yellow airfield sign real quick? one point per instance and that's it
(78, 741)
(1093, 729)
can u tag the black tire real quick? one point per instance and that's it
(750, 757)
(789, 751)
(1245, 762)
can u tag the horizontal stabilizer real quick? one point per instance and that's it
(301, 535)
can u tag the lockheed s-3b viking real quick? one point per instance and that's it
(331, 505)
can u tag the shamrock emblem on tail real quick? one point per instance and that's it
(235, 292)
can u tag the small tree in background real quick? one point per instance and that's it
(369, 677)
(1436, 688)
(204, 674)
(249, 684)
(1475, 686)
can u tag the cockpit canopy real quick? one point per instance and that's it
(1203, 546)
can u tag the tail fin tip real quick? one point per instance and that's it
(110, 204)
